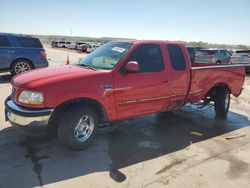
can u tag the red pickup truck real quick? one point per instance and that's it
(119, 80)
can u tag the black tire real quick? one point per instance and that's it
(67, 126)
(218, 62)
(16, 67)
(222, 102)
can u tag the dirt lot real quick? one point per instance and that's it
(188, 148)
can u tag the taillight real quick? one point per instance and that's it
(248, 56)
(232, 58)
(43, 54)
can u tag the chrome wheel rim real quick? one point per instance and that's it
(21, 67)
(84, 128)
(227, 100)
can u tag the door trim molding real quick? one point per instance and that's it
(151, 99)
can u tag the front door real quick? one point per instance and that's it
(146, 91)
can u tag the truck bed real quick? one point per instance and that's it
(205, 77)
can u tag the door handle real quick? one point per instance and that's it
(10, 51)
(165, 81)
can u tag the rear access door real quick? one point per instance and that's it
(179, 65)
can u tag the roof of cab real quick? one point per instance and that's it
(151, 41)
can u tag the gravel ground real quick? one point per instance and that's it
(188, 148)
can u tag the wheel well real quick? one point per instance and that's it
(212, 92)
(18, 59)
(85, 101)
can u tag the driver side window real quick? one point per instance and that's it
(149, 58)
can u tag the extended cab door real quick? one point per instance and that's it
(180, 75)
(146, 91)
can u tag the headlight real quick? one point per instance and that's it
(30, 97)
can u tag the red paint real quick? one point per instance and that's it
(131, 94)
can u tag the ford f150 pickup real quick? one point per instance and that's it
(119, 80)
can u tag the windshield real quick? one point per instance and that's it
(106, 56)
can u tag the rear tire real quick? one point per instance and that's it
(78, 127)
(222, 102)
(20, 66)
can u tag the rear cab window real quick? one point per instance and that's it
(176, 57)
(4, 41)
(29, 42)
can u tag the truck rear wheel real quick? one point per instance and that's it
(78, 127)
(222, 102)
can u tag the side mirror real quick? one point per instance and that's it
(132, 67)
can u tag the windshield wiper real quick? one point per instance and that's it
(84, 65)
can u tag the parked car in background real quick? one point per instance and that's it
(54, 44)
(67, 45)
(72, 45)
(91, 47)
(61, 44)
(79, 44)
(214, 56)
(21, 53)
(241, 56)
(82, 47)
(192, 51)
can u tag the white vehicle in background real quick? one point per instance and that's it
(72, 45)
(241, 56)
(68, 44)
(61, 44)
(91, 47)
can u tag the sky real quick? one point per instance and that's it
(213, 21)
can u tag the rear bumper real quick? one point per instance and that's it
(26, 120)
(41, 64)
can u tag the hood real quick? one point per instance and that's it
(43, 76)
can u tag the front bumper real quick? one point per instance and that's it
(27, 120)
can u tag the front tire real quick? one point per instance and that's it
(78, 127)
(222, 102)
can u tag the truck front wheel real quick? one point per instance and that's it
(78, 127)
(222, 102)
